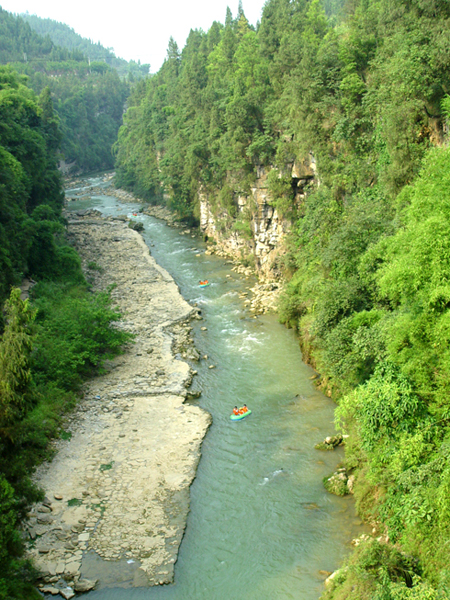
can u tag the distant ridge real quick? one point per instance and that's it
(66, 37)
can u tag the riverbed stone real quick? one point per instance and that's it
(60, 567)
(135, 470)
(84, 585)
(44, 519)
(49, 589)
(67, 593)
(72, 568)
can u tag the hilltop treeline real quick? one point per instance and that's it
(47, 346)
(88, 96)
(360, 87)
(64, 36)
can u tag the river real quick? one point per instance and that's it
(261, 525)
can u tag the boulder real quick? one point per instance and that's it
(60, 567)
(136, 226)
(192, 354)
(49, 589)
(84, 585)
(329, 579)
(330, 442)
(72, 568)
(67, 593)
(44, 519)
(337, 484)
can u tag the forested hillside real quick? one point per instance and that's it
(64, 36)
(359, 88)
(49, 346)
(88, 98)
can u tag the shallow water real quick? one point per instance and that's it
(261, 525)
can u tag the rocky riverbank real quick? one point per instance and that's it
(263, 296)
(117, 491)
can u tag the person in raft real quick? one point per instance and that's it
(243, 409)
(203, 282)
(235, 410)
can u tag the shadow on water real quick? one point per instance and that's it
(261, 525)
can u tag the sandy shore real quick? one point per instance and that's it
(117, 492)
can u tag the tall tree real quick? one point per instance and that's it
(16, 391)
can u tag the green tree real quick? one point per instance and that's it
(16, 391)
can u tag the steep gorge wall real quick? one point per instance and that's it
(264, 242)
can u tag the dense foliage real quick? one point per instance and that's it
(49, 346)
(88, 96)
(31, 196)
(359, 88)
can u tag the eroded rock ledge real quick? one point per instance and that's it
(118, 490)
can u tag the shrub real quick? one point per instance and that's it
(74, 334)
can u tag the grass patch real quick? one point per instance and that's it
(107, 466)
(93, 266)
(101, 506)
(74, 502)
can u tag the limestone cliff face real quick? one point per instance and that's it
(265, 237)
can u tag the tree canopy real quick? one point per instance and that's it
(87, 91)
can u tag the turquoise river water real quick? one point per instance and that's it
(261, 525)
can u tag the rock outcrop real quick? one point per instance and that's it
(267, 229)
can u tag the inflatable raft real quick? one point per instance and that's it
(239, 417)
(204, 284)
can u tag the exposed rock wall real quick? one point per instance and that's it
(268, 228)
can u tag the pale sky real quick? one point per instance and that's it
(135, 29)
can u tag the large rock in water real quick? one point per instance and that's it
(330, 442)
(84, 585)
(136, 225)
(67, 593)
(337, 483)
